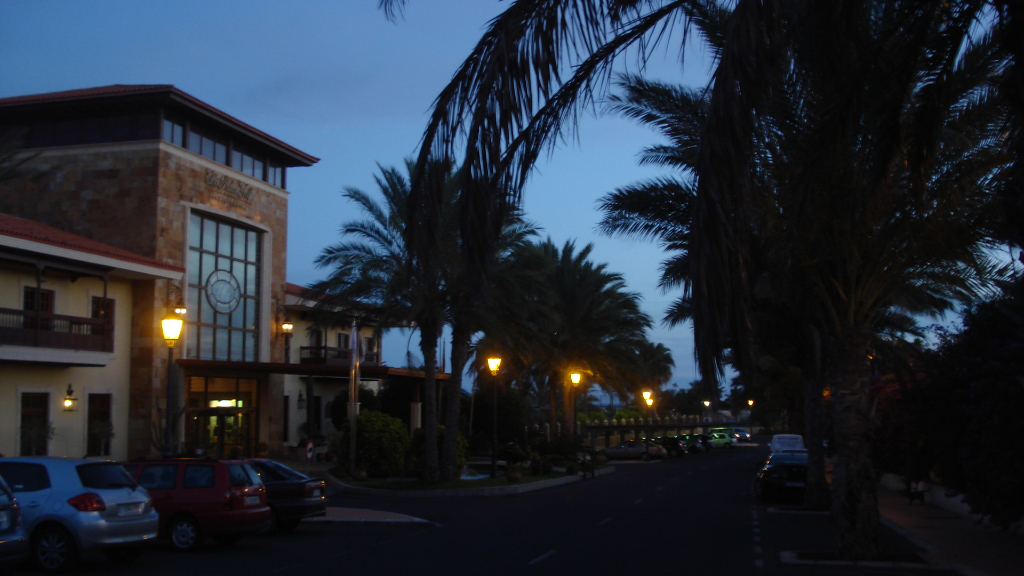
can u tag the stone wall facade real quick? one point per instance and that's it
(137, 196)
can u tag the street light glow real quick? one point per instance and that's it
(575, 377)
(493, 364)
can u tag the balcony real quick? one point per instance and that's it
(44, 330)
(334, 356)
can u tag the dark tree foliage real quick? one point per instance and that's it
(974, 406)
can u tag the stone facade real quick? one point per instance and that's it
(137, 196)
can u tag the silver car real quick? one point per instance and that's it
(70, 505)
(13, 542)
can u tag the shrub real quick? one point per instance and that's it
(381, 444)
(512, 453)
(416, 464)
(626, 414)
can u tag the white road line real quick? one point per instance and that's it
(757, 539)
(541, 557)
(757, 549)
(756, 530)
(638, 501)
(759, 563)
(605, 521)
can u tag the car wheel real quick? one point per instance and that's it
(123, 555)
(288, 526)
(645, 456)
(54, 550)
(185, 534)
(273, 525)
(227, 540)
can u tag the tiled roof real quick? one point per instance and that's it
(116, 90)
(37, 232)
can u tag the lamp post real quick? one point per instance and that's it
(171, 326)
(286, 330)
(707, 404)
(575, 379)
(493, 364)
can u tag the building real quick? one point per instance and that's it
(66, 339)
(156, 172)
(190, 207)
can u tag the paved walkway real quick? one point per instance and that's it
(954, 540)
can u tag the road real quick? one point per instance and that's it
(694, 515)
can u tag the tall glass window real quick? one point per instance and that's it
(224, 263)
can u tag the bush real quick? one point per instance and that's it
(381, 444)
(626, 414)
(416, 464)
(512, 453)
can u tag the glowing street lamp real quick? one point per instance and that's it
(171, 326)
(750, 402)
(493, 364)
(70, 402)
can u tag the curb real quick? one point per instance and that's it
(791, 557)
(492, 491)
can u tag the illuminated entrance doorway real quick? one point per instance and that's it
(221, 419)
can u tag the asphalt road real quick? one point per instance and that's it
(694, 515)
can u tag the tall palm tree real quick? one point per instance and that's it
(866, 84)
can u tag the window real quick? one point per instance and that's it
(159, 477)
(199, 476)
(224, 263)
(25, 477)
(40, 302)
(101, 427)
(342, 341)
(104, 475)
(174, 132)
(36, 429)
(103, 309)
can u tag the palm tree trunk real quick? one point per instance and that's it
(855, 501)
(553, 412)
(428, 347)
(453, 395)
(568, 412)
(816, 494)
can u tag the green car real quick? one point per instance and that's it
(723, 440)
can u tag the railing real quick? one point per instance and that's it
(331, 355)
(46, 330)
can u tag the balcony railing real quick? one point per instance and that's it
(335, 356)
(45, 330)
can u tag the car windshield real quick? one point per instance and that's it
(284, 471)
(104, 475)
(781, 458)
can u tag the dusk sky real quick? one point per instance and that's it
(339, 81)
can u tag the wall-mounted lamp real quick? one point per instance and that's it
(70, 402)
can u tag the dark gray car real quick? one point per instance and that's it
(13, 542)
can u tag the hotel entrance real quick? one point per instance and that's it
(221, 418)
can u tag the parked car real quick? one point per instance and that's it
(694, 445)
(784, 475)
(705, 441)
(13, 542)
(641, 449)
(291, 495)
(742, 435)
(196, 499)
(71, 505)
(723, 440)
(787, 443)
(674, 445)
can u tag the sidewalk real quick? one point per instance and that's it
(952, 539)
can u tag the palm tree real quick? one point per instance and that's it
(867, 86)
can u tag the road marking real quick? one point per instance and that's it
(757, 549)
(675, 479)
(293, 566)
(757, 539)
(759, 563)
(638, 501)
(756, 530)
(660, 488)
(541, 557)
(605, 521)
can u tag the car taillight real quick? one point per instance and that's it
(310, 487)
(88, 502)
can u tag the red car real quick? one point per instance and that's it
(222, 499)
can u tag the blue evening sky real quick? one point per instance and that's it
(335, 79)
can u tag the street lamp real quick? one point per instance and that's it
(493, 364)
(575, 378)
(286, 330)
(171, 326)
(750, 402)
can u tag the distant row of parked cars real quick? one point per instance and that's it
(675, 446)
(53, 509)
